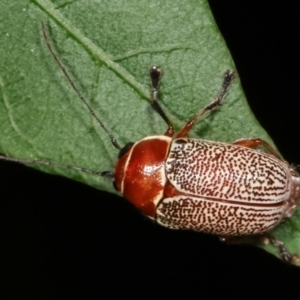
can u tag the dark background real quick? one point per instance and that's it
(63, 239)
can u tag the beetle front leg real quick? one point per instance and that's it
(257, 142)
(227, 80)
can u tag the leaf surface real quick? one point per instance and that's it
(108, 47)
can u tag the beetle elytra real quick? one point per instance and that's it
(229, 190)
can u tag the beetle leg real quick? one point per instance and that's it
(228, 79)
(286, 256)
(155, 76)
(256, 142)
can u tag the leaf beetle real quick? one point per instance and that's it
(229, 190)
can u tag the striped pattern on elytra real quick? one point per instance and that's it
(227, 172)
(216, 217)
(226, 189)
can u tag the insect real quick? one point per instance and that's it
(229, 190)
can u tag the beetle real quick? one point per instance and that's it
(229, 190)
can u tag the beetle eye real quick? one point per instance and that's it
(125, 149)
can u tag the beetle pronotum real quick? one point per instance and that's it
(229, 190)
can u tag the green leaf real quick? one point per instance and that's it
(107, 47)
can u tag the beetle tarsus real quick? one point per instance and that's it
(155, 75)
(285, 255)
(228, 79)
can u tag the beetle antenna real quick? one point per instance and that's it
(112, 138)
(227, 80)
(54, 164)
(155, 76)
